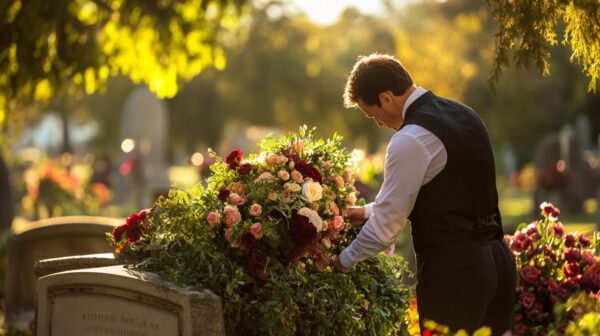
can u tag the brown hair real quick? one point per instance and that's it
(373, 75)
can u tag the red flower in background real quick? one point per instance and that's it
(527, 299)
(234, 158)
(591, 277)
(256, 267)
(571, 270)
(530, 274)
(572, 255)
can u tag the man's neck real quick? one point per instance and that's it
(401, 101)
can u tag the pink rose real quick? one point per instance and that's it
(213, 218)
(232, 216)
(256, 230)
(530, 274)
(527, 300)
(255, 209)
(338, 223)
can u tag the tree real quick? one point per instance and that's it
(529, 28)
(76, 45)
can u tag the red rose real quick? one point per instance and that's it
(223, 195)
(571, 270)
(584, 241)
(550, 211)
(591, 277)
(301, 232)
(572, 255)
(520, 328)
(308, 170)
(244, 169)
(118, 232)
(570, 240)
(527, 300)
(234, 158)
(256, 266)
(134, 232)
(558, 230)
(530, 274)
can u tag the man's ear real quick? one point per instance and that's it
(385, 97)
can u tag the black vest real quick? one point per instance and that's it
(460, 204)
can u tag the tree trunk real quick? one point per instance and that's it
(6, 204)
(66, 138)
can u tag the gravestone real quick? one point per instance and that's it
(115, 300)
(145, 122)
(48, 238)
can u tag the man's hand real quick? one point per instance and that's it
(337, 265)
(356, 215)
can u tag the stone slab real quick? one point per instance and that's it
(117, 300)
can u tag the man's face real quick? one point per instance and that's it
(376, 113)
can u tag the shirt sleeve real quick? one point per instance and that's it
(406, 163)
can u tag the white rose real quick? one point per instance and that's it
(312, 191)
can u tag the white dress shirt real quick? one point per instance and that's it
(414, 157)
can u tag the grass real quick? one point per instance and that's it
(516, 207)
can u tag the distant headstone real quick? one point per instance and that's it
(583, 131)
(116, 300)
(145, 121)
(48, 238)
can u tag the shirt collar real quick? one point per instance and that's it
(418, 92)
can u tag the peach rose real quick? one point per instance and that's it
(351, 199)
(339, 181)
(338, 223)
(284, 175)
(312, 191)
(299, 145)
(237, 187)
(256, 230)
(255, 209)
(232, 215)
(292, 187)
(297, 176)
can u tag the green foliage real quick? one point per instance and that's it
(530, 28)
(580, 313)
(78, 44)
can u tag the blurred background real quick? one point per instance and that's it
(110, 147)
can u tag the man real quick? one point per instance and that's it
(439, 174)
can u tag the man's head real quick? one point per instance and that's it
(379, 85)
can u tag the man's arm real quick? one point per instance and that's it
(405, 165)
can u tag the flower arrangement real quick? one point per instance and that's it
(52, 189)
(552, 266)
(261, 235)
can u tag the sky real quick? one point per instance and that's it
(327, 11)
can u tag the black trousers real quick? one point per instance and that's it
(468, 288)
